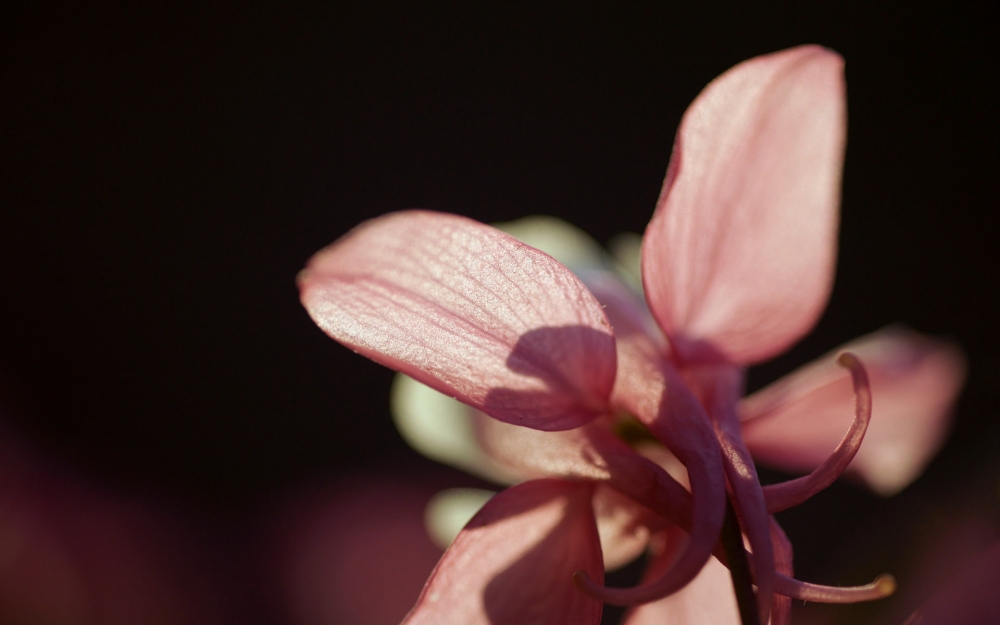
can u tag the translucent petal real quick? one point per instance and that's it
(513, 563)
(796, 422)
(738, 259)
(469, 311)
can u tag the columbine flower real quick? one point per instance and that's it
(737, 264)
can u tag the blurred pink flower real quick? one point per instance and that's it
(353, 552)
(74, 553)
(737, 265)
(970, 597)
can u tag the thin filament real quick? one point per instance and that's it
(722, 389)
(882, 587)
(749, 503)
(684, 428)
(704, 537)
(794, 492)
(781, 609)
(786, 586)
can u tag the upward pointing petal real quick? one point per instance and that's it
(740, 251)
(469, 311)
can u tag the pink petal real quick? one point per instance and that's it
(709, 598)
(469, 311)
(625, 308)
(513, 563)
(594, 452)
(536, 454)
(795, 423)
(738, 259)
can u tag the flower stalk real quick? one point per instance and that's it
(739, 568)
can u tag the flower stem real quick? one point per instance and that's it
(739, 568)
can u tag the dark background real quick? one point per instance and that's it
(167, 171)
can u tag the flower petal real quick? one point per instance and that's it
(625, 309)
(513, 563)
(577, 250)
(469, 311)
(738, 259)
(561, 240)
(534, 454)
(796, 422)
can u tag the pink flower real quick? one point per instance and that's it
(737, 264)
(74, 552)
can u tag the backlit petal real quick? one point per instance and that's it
(513, 563)
(469, 311)
(535, 454)
(738, 259)
(561, 240)
(795, 423)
